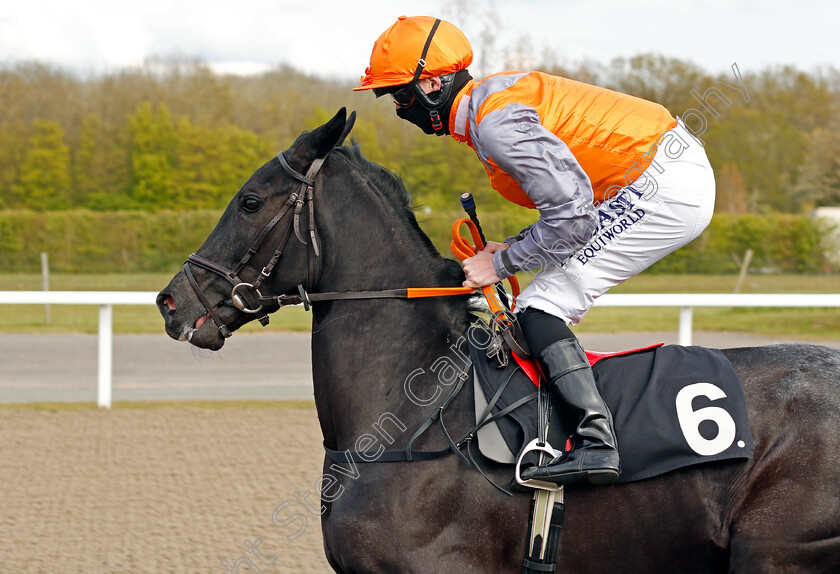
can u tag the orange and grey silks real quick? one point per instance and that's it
(559, 146)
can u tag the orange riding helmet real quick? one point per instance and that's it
(397, 54)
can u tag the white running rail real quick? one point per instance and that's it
(685, 301)
(106, 301)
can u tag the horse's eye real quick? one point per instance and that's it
(251, 204)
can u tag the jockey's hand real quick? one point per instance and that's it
(492, 246)
(479, 269)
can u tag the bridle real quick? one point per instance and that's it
(247, 297)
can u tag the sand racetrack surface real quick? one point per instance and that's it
(161, 489)
(165, 487)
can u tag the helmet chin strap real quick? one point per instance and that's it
(437, 104)
(437, 125)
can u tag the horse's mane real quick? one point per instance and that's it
(392, 190)
(387, 183)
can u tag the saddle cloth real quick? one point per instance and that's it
(672, 407)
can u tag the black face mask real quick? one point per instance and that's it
(420, 117)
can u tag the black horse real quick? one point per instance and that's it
(779, 512)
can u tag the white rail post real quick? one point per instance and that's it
(106, 347)
(45, 282)
(685, 325)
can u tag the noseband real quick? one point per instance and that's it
(246, 296)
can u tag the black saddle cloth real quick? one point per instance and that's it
(672, 406)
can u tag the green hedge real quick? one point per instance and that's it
(83, 241)
(783, 242)
(780, 242)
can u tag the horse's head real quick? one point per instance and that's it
(272, 216)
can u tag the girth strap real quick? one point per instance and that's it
(348, 456)
(411, 455)
(408, 454)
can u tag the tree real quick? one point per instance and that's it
(91, 165)
(667, 81)
(172, 134)
(212, 164)
(12, 155)
(45, 173)
(241, 154)
(428, 175)
(153, 147)
(521, 57)
(819, 175)
(731, 195)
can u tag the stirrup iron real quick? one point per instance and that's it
(543, 447)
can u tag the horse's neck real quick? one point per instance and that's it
(364, 352)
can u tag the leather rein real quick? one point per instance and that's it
(247, 296)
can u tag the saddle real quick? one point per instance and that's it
(672, 407)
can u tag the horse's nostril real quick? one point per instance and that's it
(168, 302)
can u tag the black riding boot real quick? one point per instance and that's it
(594, 458)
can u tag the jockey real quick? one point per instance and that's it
(618, 183)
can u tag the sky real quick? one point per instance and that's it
(333, 38)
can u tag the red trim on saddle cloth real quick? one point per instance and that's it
(532, 369)
(530, 366)
(595, 357)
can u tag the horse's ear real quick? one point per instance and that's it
(318, 142)
(348, 125)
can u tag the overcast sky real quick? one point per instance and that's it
(334, 37)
